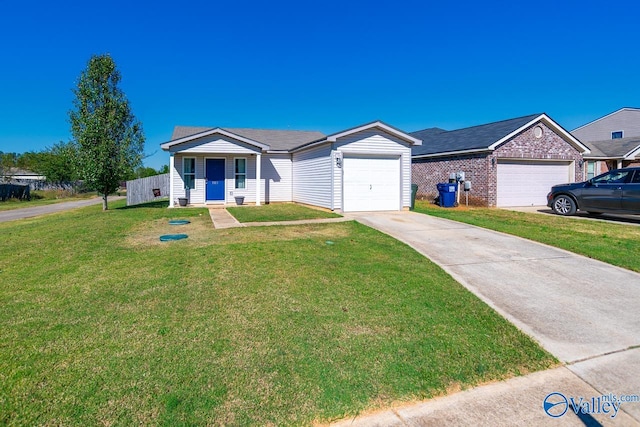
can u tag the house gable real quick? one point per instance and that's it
(530, 144)
(214, 140)
(376, 126)
(215, 144)
(546, 124)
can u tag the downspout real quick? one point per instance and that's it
(258, 177)
(333, 188)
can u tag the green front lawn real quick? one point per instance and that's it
(278, 212)
(616, 244)
(103, 324)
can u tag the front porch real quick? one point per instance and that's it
(215, 179)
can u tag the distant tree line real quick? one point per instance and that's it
(58, 164)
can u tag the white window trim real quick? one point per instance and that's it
(595, 168)
(184, 174)
(235, 174)
(616, 131)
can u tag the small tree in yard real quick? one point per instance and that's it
(109, 139)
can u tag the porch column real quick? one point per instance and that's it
(258, 177)
(619, 164)
(171, 163)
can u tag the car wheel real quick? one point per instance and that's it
(564, 205)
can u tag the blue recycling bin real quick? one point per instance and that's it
(447, 194)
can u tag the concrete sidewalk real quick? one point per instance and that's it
(583, 311)
(15, 214)
(515, 402)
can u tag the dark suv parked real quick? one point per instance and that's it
(615, 191)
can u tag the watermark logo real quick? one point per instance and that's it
(555, 404)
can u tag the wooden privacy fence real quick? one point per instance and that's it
(147, 189)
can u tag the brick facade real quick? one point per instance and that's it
(481, 169)
(429, 172)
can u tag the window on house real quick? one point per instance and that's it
(616, 135)
(591, 169)
(189, 172)
(241, 173)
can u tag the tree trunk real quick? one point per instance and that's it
(104, 202)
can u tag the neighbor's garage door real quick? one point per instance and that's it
(526, 183)
(371, 184)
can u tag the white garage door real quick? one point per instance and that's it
(526, 183)
(371, 184)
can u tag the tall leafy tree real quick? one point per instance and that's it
(109, 138)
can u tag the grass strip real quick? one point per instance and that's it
(278, 212)
(616, 244)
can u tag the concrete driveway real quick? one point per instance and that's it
(584, 312)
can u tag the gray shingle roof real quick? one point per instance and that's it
(612, 148)
(277, 140)
(437, 141)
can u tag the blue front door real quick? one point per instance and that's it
(215, 179)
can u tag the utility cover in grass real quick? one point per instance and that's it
(179, 222)
(169, 237)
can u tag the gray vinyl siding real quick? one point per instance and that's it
(276, 173)
(627, 121)
(249, 192)
(196, 194)
(312, 176)
(275, 179)
(377, 143)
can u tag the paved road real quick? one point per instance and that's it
(583, 311)
(15, 214)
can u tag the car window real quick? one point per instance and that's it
(636, 178)
(613, 177)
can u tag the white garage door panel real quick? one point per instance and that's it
(526, 183)
(371, 184)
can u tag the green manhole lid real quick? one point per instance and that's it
(168, 237)
(179, 222)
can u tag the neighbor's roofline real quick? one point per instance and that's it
(167, 145)
(605, 116)
(591, 157)
(375, 124)
(540, 118)
(633, 154)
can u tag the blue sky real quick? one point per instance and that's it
(326, 66)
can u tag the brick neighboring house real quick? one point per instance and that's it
(614, 141)
(509, 163)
